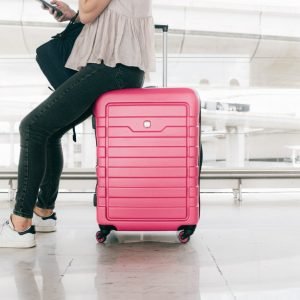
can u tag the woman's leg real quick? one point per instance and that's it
(56, 75)
(61, 109)
(49, 187)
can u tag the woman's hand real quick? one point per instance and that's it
(67, 12)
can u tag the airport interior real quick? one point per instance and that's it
(243, 60)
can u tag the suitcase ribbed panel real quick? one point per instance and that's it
(139, 162)
(159, 122)
(153, 125)
(147, 160)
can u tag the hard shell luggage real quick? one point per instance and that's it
(147, 160)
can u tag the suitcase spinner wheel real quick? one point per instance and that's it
(102, 234)
(185, 232)
(100, 237)
(183, 237)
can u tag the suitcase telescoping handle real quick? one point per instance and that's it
(165, 29)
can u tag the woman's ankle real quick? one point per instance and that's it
(20, 223)
(42, 212)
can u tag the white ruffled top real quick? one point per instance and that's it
(123, 33)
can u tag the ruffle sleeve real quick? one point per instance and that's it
(115, 38)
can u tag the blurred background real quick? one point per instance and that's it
(241, 56)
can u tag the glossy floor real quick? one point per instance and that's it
(238, 252)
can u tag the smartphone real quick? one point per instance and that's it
(49, 5)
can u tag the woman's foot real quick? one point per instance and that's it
(17, 237)
(44, 220)
(42, 212)
(20, 223)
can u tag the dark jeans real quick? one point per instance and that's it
(41, 157)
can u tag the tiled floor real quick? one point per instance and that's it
(238, 252)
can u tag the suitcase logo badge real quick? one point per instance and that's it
(147, 124)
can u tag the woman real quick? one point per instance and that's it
(113, 51)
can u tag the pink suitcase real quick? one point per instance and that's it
(147, 161)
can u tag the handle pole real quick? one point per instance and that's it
(165, 29)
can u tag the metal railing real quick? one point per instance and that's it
(214, 179)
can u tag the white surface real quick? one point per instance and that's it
(247, 252)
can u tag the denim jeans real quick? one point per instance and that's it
(41, 156)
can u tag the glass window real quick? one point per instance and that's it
(245, 68)
(5, 155)
(4, 127)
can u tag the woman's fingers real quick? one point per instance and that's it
(59, 17)
(59, 4)
(65, 10)
(56, 16)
